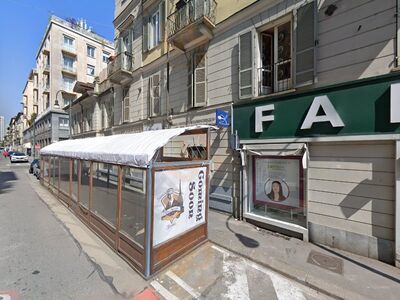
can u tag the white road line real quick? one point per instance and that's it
(163, 291)
(183, 284)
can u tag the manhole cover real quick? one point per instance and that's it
(325, 261)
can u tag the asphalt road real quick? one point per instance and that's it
(39, 259)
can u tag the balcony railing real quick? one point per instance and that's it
(120, 67)
(275, 78)
(192, 11)
(69, 48)
(68, 69)
(46, 87)
(46, 67)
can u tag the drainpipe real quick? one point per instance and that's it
(168, 49)
(396, 60)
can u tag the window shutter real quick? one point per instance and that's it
(190, 82)
(305, 35)
(245, 65)
(199, 76)
(162, 20)
(156, 95)
(145, 42)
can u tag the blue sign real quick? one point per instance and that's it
(222, 118)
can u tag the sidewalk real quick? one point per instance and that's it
(361, 278)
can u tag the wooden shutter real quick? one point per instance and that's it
(245, 65)
(190, 82)
(305, 40)
(156, 95)
(145, 40)
(199, 76)
(162, 20)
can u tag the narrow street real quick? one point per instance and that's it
(39, 259)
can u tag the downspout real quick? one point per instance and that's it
(396, 59)
(168, 49)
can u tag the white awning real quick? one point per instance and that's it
(136, 149)
(28, 145)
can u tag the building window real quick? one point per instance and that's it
(153, 26)
(69, 42)
(154, 95)
(90, 70)
(90, 51)
(68, 63)
(67, 99)
(275, 67)
(197, 88)
(69, 83)
(125, 105)
(106, 57)
(64, 123)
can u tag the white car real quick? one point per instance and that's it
(19, 157)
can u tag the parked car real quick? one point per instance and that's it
(33, 163)
(19, 157)
(36, 170)
(10, 153)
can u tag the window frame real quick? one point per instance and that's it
(91, 68)
(125, 105)
(88, 53)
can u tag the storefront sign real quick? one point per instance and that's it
(363, 107)
(179, 202)
(277, 182)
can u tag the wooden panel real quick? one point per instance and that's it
(351, 226)
(355, 176)
(102, 229)
(354, 56)
(353, 163)
(132, 252)
(172, 250)
(354, 189)
(367, 24)
(352, 150)
(364, 203)
(352, 11)
(351, 214)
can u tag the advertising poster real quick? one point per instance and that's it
(277, 182)
(179, 202)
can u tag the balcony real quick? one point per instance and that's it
(275, 78)
(192, 23)
(68, 49)
(46, 88)
(46, 68)
(120, 68)
(68, 70)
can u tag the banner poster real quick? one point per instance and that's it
(277, 182)
(179, 202)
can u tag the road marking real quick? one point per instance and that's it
(163, 291)
(284, 288)
(183, 284)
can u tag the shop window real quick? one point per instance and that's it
(84, 191)
(64, 175)
(133, 204)
(104, 192)
(55, 170)
(277, 189)
(266, 62)
(75, 172)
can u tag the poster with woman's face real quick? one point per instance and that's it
(277, 181)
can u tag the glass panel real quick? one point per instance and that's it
(55, 171)
(75, 170)
(64, 175)
(278, 190)
(133, 208)
(46, 169)
(104, 193)
(85, 188)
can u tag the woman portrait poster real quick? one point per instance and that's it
(277, 182)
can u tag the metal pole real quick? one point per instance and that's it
(34, 139)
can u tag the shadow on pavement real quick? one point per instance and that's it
(6, 179)
(245, 240)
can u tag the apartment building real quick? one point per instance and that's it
(309, 87)
(2, 129)
(70, 51)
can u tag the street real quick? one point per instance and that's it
(43, 256)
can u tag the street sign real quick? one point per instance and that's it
(222, 118)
